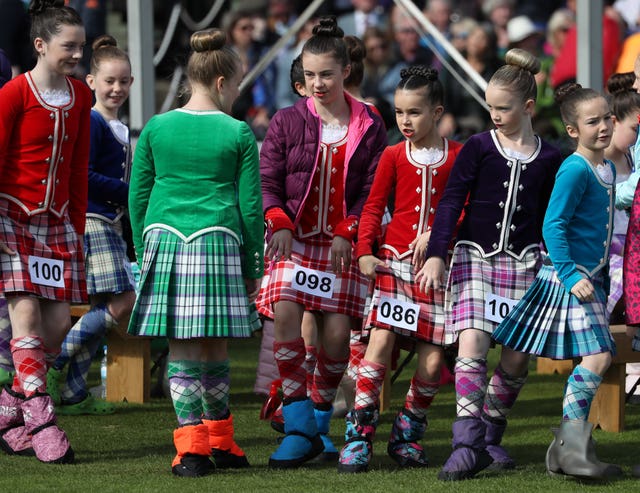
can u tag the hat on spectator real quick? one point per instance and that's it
(520, 28)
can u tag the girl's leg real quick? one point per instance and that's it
(191, 438)
(411, 422)
(6, 362)
(37, 325)
(469, 454)
(302, 441)
(572, 451)
(309, 330)
(502, 392)
(215, 405)
(363, 419)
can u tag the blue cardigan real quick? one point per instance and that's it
(109, 170)
(578, 224)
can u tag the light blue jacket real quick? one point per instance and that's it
(579, 221)
(626, 190)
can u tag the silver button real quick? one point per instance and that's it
(66, 137)
(501, 205)
(315, 208)
(331, 208)
(524, 167)
(256, 255)
(57, 181)
(521, 187)
(513, 227)
(432, 211)
(417, 208)
(44, 182)
(50, 138)
(333, 190)
(334, 150)
(606, 226)
(519, 208)
(53, 203)
(435, 172)
(509, 164)
(510, 246)
(415, 226)
(61, 159)
(52, 116)
(418, 172)
(604, 243)
(40, 204)
(329, 228)
(495, 245)
(498, 225)
(66, 114)
(47, 159)
(418, 190)
(505, 184)
(122, 165)
(608, 209)
(433, 190)
(333, 170)
(316, 189)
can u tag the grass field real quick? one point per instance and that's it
(132, 450)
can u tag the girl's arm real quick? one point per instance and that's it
(142, 180)
(571, 182)
(273, 165)
(250, 203)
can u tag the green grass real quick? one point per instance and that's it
(132, 449)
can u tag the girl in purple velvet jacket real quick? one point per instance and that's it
(317, 164)
(507, 174)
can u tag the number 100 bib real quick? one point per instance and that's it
(46, 271)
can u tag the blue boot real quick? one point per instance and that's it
(361, 428)
(302, 441)
(323, 418)
(403, 445)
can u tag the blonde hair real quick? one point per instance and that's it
(518, 73)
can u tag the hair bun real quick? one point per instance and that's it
(104, 41)
(208, 40)
(565, 91)
(36, 7)
(522, 59)
(428, 73)
(621, 82)
(328, 26)
(355, 47)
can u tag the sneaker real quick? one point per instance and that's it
(53, 385)
(89, 405)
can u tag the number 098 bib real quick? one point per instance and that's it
(313, 282)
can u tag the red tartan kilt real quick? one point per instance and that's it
(398, 281)
(350, 288)
(42, 235)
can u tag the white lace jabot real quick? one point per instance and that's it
(333, 133)
(56, 97)
(427, 156)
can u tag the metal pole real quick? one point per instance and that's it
(140, 42)
(589, 40)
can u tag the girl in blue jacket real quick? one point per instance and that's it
(563, 314)
(110, 283)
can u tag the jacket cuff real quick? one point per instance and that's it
(277, 219)
(347, 228)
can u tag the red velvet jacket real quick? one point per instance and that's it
(44, 150)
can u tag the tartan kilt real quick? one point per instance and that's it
(397, 281)
(264, 309)
(105, 254)
(350, 288)
(191, 290)
(472, 278)
(551, 322)
(41, 235)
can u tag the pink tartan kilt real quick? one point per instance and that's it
(397, 281)
(350, 288)
(34, 235)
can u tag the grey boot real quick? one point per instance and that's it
(572, 452)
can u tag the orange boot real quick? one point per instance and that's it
(225, 451)
(192, 445)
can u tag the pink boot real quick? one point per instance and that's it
(14, 439)
(49, 442)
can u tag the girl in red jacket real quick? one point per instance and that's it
(317, 164)
(44, 154)
(415, 172)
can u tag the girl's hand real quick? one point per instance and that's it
(583, 290)
(368, 265)
(253, 288)
(431, 275)
(279, 246)
(5, 249)
(419, 247)
(340, 254)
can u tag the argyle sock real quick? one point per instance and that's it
(186, 390)
(471, 384)
(215, 389)
(369, 384)
(502, 393)
(420, 396)
(30, 366)
(581, 388)
(289, 357)
(326, 379)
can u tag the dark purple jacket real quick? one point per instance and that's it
(290, 151)
(507, 198)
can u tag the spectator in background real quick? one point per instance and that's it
(376, 64)
(460, 32)
(498, 13)
(629, 53)
(407, 51)
(464, 114)
(14, 35)
(366, 13)
(438, 12)
(256, 104)
(94, 17)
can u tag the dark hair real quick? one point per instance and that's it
(518, 73)
(328, 38)
(623, 99)
(418, 77)
(48, 17)
(105, 47)
(211, 57)
(567, 96)
(296, 74)
(357, 52)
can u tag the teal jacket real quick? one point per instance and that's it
(579, 221)
(196, 172)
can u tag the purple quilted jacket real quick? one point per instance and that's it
(290, 151)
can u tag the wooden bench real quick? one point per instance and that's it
(608, 407)
(128, 363)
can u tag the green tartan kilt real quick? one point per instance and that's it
(192, 289)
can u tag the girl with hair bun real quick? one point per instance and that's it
(563, 314)
(44, 153)
(201, 252)
(505, 176)
(110, 283)
(415, 173)
(317, 164)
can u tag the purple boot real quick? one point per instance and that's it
(469, 455)
(493, 438)
(14, 439)
(49, 442)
